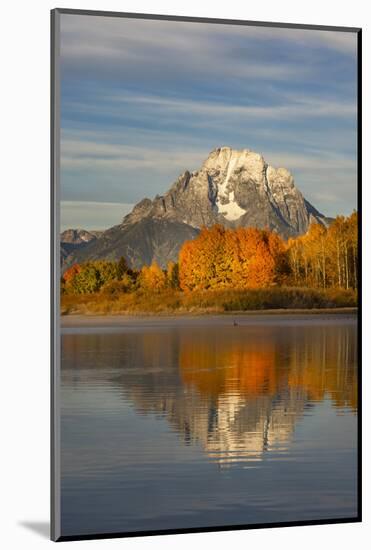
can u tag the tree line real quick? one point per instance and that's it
(326, 257)
(243, 258)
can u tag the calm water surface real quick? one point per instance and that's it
(170, 424)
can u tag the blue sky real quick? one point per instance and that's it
(142, 101)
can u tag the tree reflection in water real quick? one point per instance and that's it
(237, 391)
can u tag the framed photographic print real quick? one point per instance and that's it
(206, 280)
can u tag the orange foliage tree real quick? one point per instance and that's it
(152, 277)
(226, 258)
(326, 256)
(70, 273)
(172, 275)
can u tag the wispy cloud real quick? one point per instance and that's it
(120, 157)
(123, 38)
(93, 153)
(167, 51)
(293, 107)
(144, 100)
(319, 160)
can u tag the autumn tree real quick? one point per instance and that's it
(226, 258)
(152, 278)
(90, 277)
(107, 271)
(326, 256)
(257, 266)
(172, 275)
(122, 268)
(202, 262)
(315, 246)
(87, 280)
(353, 247)
(70, 273)
(343, 242)
(278, 251)
(294, 257)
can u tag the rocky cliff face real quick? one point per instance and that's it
(235, 188)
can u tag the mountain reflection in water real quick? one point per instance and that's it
(235, 393)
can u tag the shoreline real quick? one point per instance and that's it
(201, 318)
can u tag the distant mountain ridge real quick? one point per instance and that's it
(234, 188)
(72, 240)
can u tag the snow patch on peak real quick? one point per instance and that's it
(226, 203)
(231, 166)
(231, 211)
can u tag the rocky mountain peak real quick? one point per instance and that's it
(77, 236)
(226, 157)
(234, 188)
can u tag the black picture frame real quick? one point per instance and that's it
(56, 534)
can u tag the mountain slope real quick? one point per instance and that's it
(140, 242)
(235, 188)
